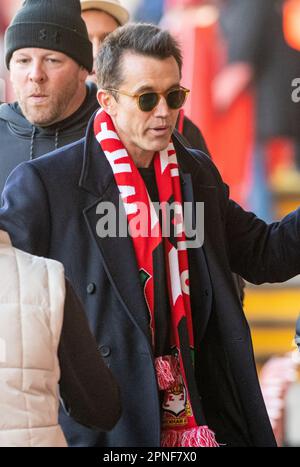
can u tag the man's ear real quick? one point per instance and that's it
(106, 101)
(83, 74)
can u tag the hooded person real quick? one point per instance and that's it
(49, 56)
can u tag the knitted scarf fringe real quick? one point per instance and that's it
(199, 437)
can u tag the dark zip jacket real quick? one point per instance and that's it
(22, 141)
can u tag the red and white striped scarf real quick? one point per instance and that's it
(179, 427)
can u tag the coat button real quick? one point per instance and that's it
(206, 292)
(105, 351)
(91, 288)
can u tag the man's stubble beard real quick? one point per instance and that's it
(50, 113)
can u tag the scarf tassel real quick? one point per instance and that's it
(199, 437)
(167, 372)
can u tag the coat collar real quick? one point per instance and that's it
(96, 174)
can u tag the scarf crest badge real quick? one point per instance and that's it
(182, 426)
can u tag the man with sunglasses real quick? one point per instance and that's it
(105, 16)
(161, 303)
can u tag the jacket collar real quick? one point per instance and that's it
(96, 174)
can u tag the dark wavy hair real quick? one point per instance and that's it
(140, 38)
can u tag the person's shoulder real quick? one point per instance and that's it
(61, 168)
(199, 155)
(200, 158)
(207, 164)
(197, 161)
(52, 265)
(194, 136)
(66, 156)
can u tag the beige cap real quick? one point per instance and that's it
(112, 7)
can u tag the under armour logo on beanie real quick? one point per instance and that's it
(50, 24)
(44, 36)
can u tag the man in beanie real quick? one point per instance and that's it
(49, 55)
(160, 301)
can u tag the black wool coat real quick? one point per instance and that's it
(50, 208)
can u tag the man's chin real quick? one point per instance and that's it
(38, 115)
(162, 147)
(39, 120)
(161, 144)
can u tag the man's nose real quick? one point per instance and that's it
(37, 72)
(162, 108)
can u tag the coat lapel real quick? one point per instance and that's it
(213, 250)
(195, 189)
(200, 282)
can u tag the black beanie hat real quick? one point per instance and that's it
(50, 24)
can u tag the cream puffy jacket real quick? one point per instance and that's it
(32, 294)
